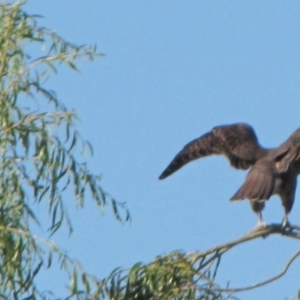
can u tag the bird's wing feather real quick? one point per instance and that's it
(259, 183)
(288, 152)
(237, 142)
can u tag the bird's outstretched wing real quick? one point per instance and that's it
(237, 142)
(288, 153)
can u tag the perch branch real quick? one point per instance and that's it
(207, 258)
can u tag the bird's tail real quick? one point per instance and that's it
(258, 186)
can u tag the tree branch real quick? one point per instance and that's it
(209, 257)
(250, 287)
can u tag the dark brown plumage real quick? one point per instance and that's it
(273, 171)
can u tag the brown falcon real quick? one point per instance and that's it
(273, 171)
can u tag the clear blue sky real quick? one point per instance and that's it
(173, 70)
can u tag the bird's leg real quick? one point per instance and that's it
(285, 221)
(257, 207)
(261, 222)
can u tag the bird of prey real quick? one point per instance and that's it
(272, 171)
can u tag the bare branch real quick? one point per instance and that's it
(267, 281)
(204, 260)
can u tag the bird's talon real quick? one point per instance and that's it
(285, 222)
(286, 225)
(260, 225)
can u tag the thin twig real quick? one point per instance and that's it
(250, 287)
(207, 258)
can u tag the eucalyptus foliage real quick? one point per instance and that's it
(177, 276)
(41, 153)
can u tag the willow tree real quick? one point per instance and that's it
(39, 154)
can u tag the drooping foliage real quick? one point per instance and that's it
(41, 152)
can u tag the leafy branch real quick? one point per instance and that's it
(42, 155)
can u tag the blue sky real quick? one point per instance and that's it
(172, 70)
